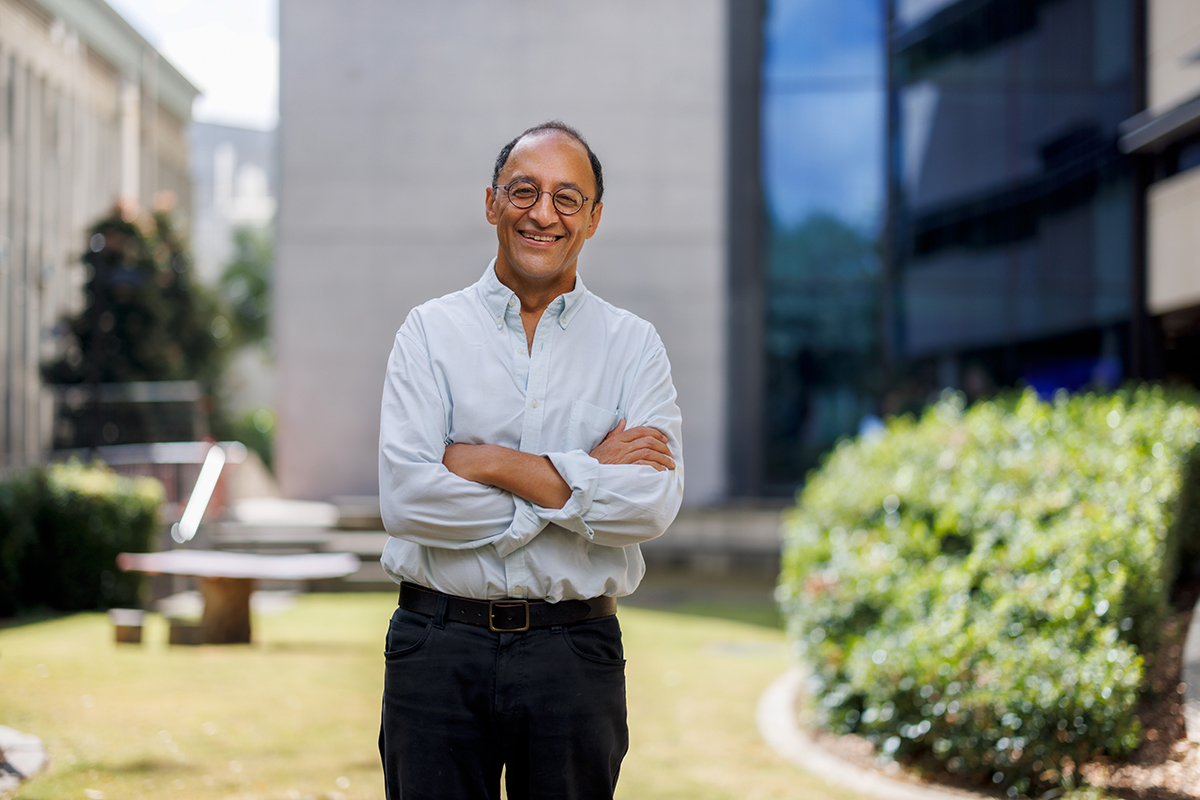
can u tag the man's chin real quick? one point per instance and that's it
(538, 271)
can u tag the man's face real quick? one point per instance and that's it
(539, 246)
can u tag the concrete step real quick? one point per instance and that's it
(720, 539)
(368, 546)
(358, 512)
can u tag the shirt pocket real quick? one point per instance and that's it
(588, 426)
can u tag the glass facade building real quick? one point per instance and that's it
(822, 177)
(1012, 210)
(946, 205)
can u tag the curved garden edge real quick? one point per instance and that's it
(780, 728)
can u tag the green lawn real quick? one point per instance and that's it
(295, 715)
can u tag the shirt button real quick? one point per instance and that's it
(519, 591)
(512, 301)
(534, 404)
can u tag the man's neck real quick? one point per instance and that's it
(536, 296)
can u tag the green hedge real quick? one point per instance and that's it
(973, 590)
(61, 528)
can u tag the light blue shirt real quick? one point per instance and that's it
(461, 372)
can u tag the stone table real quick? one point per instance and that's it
(227, 580)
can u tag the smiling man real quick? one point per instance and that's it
(529, 441)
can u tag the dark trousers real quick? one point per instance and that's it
(460, 702)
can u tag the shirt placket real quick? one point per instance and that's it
(536, 361)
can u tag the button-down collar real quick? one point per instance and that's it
(498, 298)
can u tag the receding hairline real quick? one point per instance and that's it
(544, 132)
(560, 127)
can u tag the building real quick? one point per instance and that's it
(1012, 211)
(1164, 141)
(89, 114)
(235, 185)
(391, 115)
(822, 101)
(1005, 215)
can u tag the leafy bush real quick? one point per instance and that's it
(61, 528)
(973, 591)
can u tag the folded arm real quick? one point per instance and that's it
(421, 500)
(534, 478)
(628, 489)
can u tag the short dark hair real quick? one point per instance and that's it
(561, 127)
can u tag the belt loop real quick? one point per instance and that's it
(439, 616)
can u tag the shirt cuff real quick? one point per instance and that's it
(525, 526)
(582, 474)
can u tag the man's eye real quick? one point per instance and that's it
(523, 193)
(567, 202)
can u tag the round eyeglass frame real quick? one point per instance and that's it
(553, 197)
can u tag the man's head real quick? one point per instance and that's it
(562, 127)
(539, 235)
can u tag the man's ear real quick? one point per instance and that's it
(490, 207)
(594, 221)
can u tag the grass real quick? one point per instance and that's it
(295, 715)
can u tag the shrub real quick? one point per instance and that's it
(61, 528)
(973, 591)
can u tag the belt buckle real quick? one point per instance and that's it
(492, 604)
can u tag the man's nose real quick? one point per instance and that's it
(543, 211)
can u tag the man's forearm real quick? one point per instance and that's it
(528, 476)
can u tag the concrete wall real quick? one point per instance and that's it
(1173, 212)
(1173, 205)
(391, 114)
(1174, 52)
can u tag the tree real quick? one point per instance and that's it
(144, 317)
(245, 285)
(245, 290)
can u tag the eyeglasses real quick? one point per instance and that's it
(524, 194)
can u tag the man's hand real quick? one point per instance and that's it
(639, 445)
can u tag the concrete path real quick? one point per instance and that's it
(779, 727)
(21, 757)
(1191, 677)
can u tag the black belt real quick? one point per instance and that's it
(508, 615)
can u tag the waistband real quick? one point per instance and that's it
(508, 615)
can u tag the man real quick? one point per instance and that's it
(529, 441)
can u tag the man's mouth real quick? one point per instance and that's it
(540, 237)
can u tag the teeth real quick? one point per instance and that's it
(537, 238)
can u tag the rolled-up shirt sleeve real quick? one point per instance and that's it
(420, 500)
(623, 504)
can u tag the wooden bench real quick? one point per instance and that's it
(227, 580)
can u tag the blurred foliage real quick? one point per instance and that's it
(973, 590)
(245, 290)
(256, 430)
(245, 285)
(61, 528)
(145, 317)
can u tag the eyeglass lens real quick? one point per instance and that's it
(524, 194)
